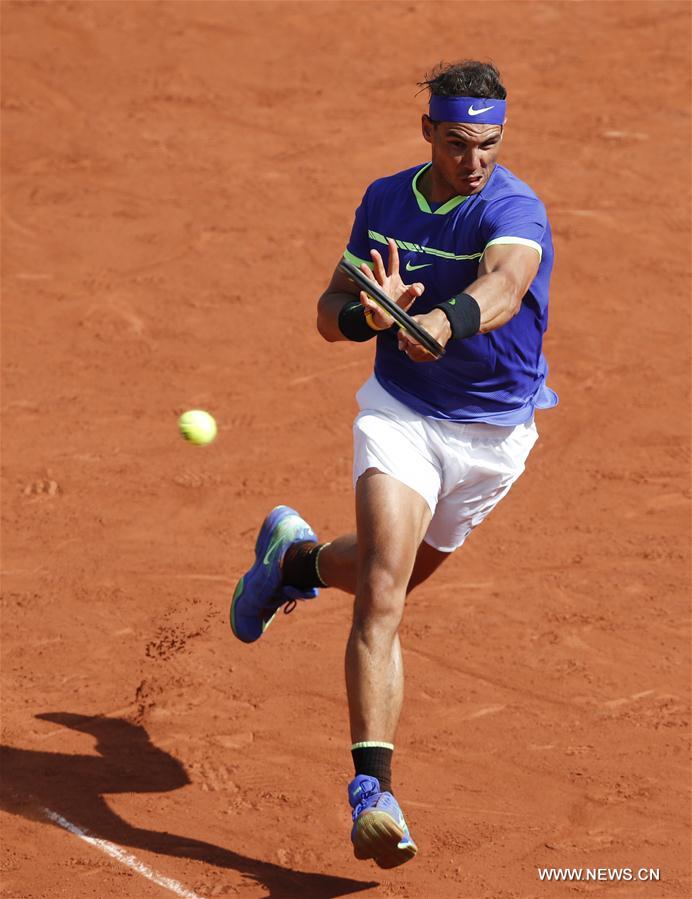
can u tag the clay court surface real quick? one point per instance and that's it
(179, 182)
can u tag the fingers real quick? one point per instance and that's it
(410, 295)
(367, 271)
(403, 294)
(393, 267)
(406, 343)
(413, 350)
(371, 306)
(379, 318)
(392, 262)
(367, 302)
(379, 273)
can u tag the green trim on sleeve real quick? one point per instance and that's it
(356, 260)
(517, 241)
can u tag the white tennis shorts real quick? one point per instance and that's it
(462, 470)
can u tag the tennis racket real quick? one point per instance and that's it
(402, 318)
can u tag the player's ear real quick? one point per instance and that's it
(427, 127)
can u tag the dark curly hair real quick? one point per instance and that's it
(467, 78)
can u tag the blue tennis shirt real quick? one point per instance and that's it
(499, 377)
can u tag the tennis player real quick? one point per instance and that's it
(465, 246)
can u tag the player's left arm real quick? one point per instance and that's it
(504, 276)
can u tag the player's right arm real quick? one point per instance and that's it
(342, 290)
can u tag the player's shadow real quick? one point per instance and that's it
(73, 786)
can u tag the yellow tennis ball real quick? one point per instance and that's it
(197, 426)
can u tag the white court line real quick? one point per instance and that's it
(121, 856)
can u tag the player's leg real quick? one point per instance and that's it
(338, 564)
(392, 520)
(428, 560)
(391, 438)
(290, 564)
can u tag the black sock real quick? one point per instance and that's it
(300, 566)
(375, 760)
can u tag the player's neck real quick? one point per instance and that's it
(434, 187)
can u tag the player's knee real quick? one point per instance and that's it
(381, 583)
(380, 600)
(376, 625)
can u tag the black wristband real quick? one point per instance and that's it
(352, 323)
(464, 315)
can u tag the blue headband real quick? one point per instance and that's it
(482, 111)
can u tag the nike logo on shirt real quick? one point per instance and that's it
(412, 268)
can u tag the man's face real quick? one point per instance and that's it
(463, 154)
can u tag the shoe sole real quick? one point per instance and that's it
(377, 836)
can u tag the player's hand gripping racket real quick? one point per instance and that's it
(403, 319)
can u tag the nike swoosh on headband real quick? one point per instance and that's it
(473, 111)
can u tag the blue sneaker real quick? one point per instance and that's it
(259, 594)
(379, 829)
